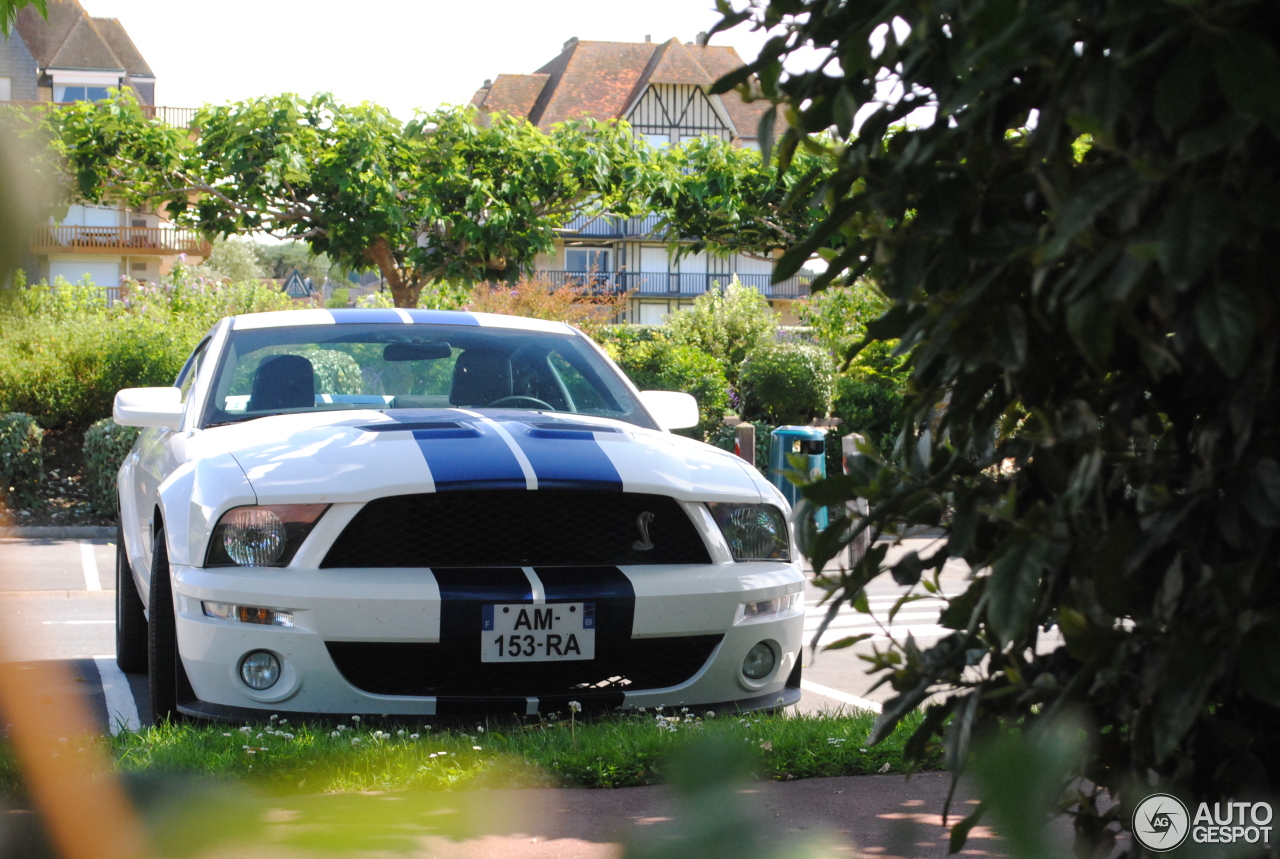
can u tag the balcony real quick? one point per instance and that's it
(674, 285)
(178, 117)
(610, 227)
(130, 241)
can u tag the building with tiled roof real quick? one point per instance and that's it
(662, 90)
(70, 56)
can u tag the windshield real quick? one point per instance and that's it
(309, 368)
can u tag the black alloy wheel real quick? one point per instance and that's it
(162, 641)
(131, 620)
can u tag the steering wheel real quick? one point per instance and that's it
(518, 399)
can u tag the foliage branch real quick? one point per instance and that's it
(1079, 252)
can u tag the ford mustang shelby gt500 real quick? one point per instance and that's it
(411, 512)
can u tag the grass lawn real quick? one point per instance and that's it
(606, 752)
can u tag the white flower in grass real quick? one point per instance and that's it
(711, 714)
(479, 729)
(357, 718)
(400, 733)
(287, 736)
(226, 735)
(413, 736)
(284, 721)
(575, 707)
(355, 741)
(475, 748)
(336, 734)
(274, 718)
(246, 730)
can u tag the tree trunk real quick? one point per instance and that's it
(405, 286)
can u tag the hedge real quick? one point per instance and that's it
(106, 444)
(21, 460)
(787, 383)
(660, 365)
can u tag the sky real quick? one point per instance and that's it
(402, 54)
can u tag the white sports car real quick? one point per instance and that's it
(411, 512)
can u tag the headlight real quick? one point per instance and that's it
(265, 536)
(754, 532)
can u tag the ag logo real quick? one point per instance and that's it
(1160, 823)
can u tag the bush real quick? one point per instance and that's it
(726, 325)
(106, 444)
(660, 365)
(21, 463)
(787, 383)
(64, 352)
(341, 297)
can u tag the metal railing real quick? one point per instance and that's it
(178, 117)
(674, 284)
(611, 227)
(139, 241)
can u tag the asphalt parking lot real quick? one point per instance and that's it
(57, 603)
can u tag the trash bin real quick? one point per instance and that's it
(807, 442)
(858, 506)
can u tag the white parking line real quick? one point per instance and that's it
(837, 695)
(91, 580)
(73, 622)
(122, 710)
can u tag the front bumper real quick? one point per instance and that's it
(413, 622)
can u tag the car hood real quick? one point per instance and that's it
(362, 455)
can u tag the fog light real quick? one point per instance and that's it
(260, 670)
(759, 662)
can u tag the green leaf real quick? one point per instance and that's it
(1259, 672)
(1225, 320)
(1198, 223)
(1249, 71)
(1014, 583)
(764, 133)
(848, 641)
(907, 571)
(1179, 90)
(1079, 210)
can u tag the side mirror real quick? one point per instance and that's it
(148, 407)
(671, 409)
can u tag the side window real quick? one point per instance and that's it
(586, 397)
(187, 375)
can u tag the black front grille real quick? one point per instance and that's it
(451, 670)
(517, 528)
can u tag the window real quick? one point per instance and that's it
(6, 89)
(80, 93)
(658, 141)
(586, 259)
(187, 375)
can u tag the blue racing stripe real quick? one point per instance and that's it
(443, 317)
(475, 457)
(566, 458)
(380, 314)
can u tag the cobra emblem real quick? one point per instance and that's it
(644, 544)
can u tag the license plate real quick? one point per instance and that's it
(538, 633)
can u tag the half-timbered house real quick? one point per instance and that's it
(661, 89)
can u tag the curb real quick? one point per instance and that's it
(59, 532)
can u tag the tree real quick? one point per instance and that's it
(443, 197)
(726, 324)
(235, 260)
(722, 199)
(1080, 254)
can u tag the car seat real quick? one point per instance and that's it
(479, 378)
(283, 382)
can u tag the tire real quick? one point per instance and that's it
(162, 640)
(131, 621)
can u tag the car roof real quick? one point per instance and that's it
(393, 316)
